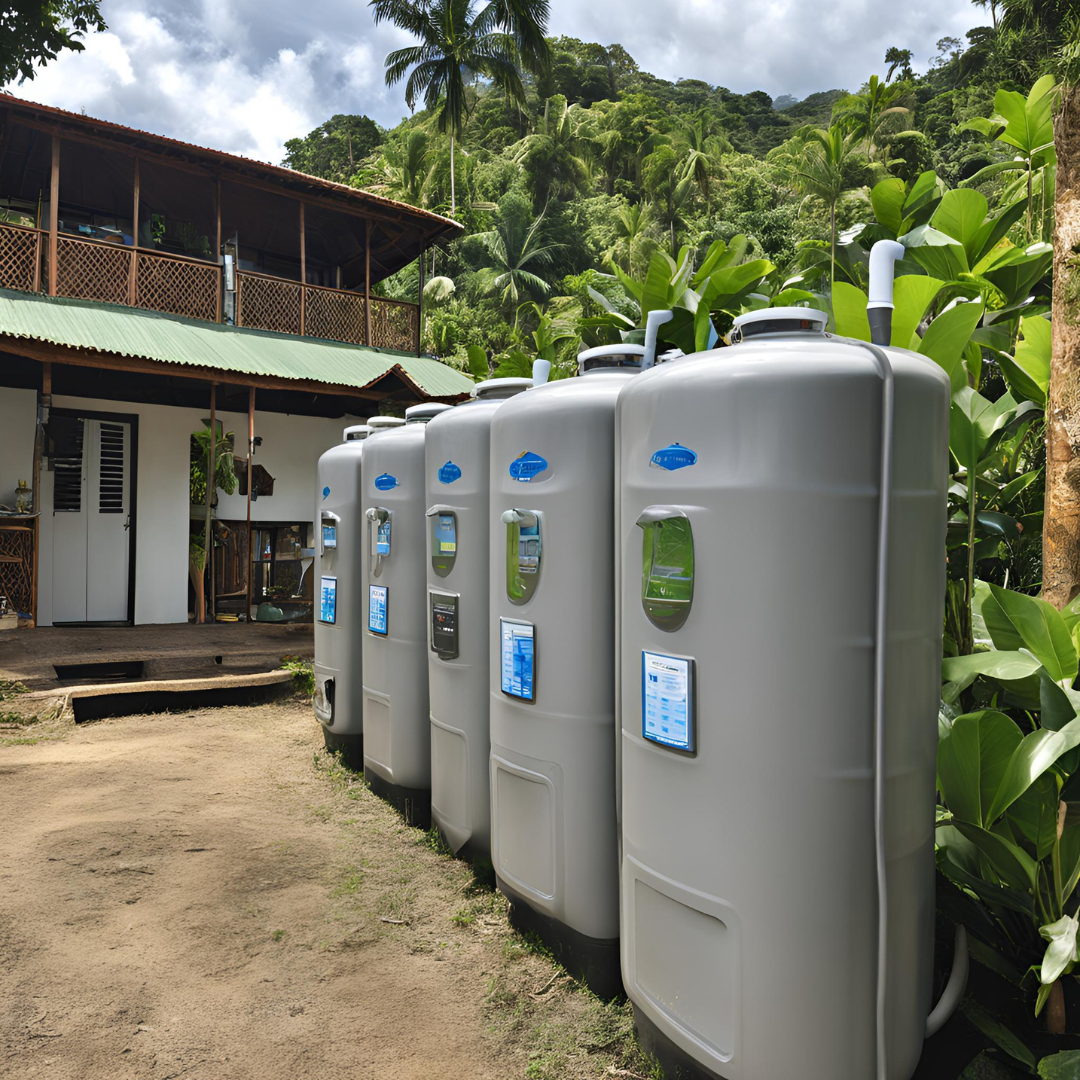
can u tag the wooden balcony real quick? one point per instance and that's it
(120, 274)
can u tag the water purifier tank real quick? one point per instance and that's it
(780, 571)
(456, 452)
(397, 757)
(552, 663)
(339, 585)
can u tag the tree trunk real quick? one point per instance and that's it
(1061, 526)
(453, 192)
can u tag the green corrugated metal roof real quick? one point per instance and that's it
(150, 335)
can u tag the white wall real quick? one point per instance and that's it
(290, 452)
(18, 421)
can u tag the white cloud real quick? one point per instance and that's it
(245, 75)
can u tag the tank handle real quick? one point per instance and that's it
(376, 516)
(514, 517)
(439, 508)
(954, 988)
(883, 258)
(653, 321)
(652, 514)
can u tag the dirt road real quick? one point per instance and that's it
(209, 896)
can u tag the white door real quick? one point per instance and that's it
(91, 518)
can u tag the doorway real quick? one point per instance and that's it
(93, 461)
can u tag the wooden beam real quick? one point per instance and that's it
(420, 303)
(367, 282)
(303, 272)
(59, 354)
(210, 486)
(251, 454)
(134, 264)
(54, 212)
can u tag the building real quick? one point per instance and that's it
(147, 286)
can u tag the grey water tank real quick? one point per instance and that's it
(749, 545)
(339, 587)
(552, 664)
(397, 756)
(456, 451)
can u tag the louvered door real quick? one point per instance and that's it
(91, 518)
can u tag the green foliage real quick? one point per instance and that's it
(303, 673)
(334, 149)
(224, 461)
(33, 32)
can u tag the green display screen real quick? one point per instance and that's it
(667, 584)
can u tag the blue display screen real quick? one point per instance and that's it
(445, 539)
(329, 536)
(328, 600)
(377, 608)
(667, 700)
(518, 659)
(382, 538)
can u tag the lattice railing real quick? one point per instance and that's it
(89, 271)
(17, 566)
(267, 303)
(395, 325)
(19, 252)
(334, 314)
(177, 286)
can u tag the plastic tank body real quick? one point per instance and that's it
(397, 757)
(456, 451)
(748, 536)
(339, 588)
(552, 667)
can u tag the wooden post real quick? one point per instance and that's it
(44, 402)
(303, 274)
(54, 212)
(420, 303)
(217, 250)
(210, 486)
(251, 454)
(133, 265)
(367, 281)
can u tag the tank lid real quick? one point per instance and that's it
(619, 355)
(491, 389)
(421, 414)
(356, 431)
(778, 320)
(381, 423)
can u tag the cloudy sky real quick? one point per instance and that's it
(245, 75)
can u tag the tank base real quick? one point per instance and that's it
(350, 747)
(595, 961)
(414, 804)
(675, 1061)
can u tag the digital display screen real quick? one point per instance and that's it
(444, 608)
(329, 536)
(445, 526)
(382, 538)
(518, 659)
(377, 609)
(529, 548)
(667, 700)
(328, 599)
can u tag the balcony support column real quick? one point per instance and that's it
(303, 274)
(54, 212)
(133, 266)
(420, 303)
(367, 281)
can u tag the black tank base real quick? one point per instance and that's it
(414, 804)
(595, 961)
(676, 1063)
(350, 747)
(479, 858)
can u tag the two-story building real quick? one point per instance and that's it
(148, 287)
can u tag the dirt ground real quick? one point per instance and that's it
(209, 895)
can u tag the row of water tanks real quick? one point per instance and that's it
(654, 642)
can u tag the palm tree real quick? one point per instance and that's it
(896, 57)
(553, 155)
(403, 168)
(826, 170)
(703, 148)
(632, 226)
(459, 43)
(512, 246)
(864, 114)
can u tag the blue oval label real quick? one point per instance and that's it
(675, 456)
(325, 492)
(385, 482)
(527, 465)
(448, 473)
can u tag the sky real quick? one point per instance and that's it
(245, 75)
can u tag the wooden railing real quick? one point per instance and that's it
(118, 274)
(270, 303)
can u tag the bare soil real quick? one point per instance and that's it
(210, 895)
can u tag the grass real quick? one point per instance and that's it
(303, 673)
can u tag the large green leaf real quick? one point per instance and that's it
(1029, 121)
(947, 336)
(656, 291)
(849, 311)
(924, 196)
(887, 198)
(1062, 1066)
(998, 665)
(973, 419)
(724, 285)
(998, 625)
(478, 362)
(1058, 706)
(1037, 753)
(1035, 815)
(1011, 862)
(1027, 371)
(961, 215)
(912, 294)
(1043, 630)
(995, 229)
(972, 760)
